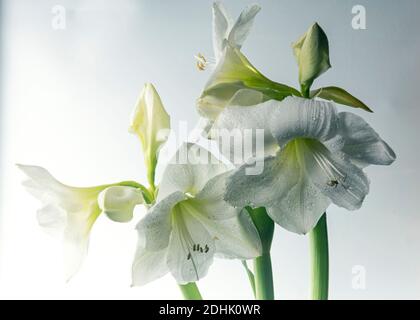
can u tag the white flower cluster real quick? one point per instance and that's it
(312, 156)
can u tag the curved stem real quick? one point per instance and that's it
(190, 291)
(319, 259)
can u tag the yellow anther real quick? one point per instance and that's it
(201, 62)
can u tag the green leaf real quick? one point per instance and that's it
(340, 96)
(312, 55)
(250, 276)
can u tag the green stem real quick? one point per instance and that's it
(263, 273)
(264, 289)
(190, 291)
(151, 169)
(319, 259)
(306, 90)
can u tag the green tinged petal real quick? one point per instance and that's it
(233, 73)
(312, 55)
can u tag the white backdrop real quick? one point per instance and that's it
(66, 100)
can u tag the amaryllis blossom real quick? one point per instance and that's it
(233, 71)
(226, 36)
(319, 160)
(190, 222)
(70, 212)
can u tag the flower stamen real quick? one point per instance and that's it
(188, 245)
(202, 62)
(334, 175)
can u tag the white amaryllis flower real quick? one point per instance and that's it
(225, 34)
(70, 212)
(319, 161)
(190, 222)
(233, 71)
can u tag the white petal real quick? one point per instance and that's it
(235, 238)
(37, 191)
(221, 25)
(300, 208)
(155, 228)
(216, 96)
(242, 131)
(201, 130)
(76, 235)
(118, 202)
(71, 210)
(40, 175)
(361, 142)
(304, 118)
(49, 190)
(335, 176)
(43, 182)
(76, 245)
(209, 201)
(243, 25)
(52, 218)
(186, 262)
(284, 188)
(246, 98)
(189, 171)
(148, 266)
(259, 190)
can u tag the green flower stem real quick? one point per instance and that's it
(264, 289)
(190, 291)
(306, 90)
(151, 170)
(263, 274)
(319, 259)
(319, 247)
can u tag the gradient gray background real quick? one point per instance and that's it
(67, 96)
